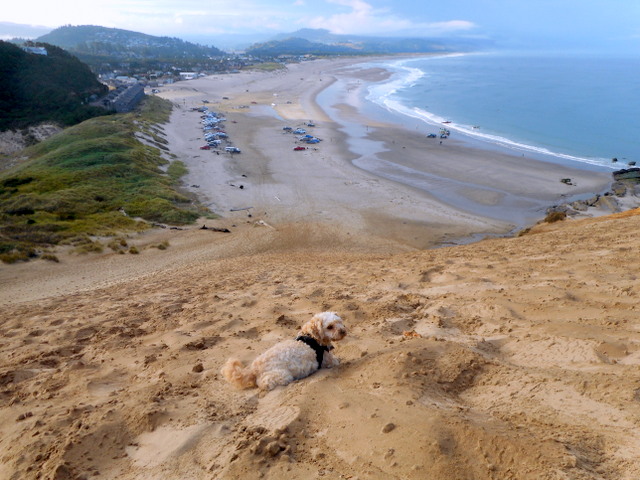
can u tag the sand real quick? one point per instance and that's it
(507, 358)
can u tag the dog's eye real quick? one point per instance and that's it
(330, 327)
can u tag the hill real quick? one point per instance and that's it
(322, 42)
(299, 46)
(90, 41)
(92, 179)
(54, 86)
(509, 358)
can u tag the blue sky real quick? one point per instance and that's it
(576, 23)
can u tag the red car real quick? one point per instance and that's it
(205, 147)
(297, 149)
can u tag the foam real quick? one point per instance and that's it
(384, 95)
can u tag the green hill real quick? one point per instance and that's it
(112, 43)
(38, 87)
(299, 46)
(322, 42)
(76, 185)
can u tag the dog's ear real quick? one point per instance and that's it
(314, 328)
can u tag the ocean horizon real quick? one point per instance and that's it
(578, 110)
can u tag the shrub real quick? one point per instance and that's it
(50, 257)
(555, 217)
(117, 244)
(162, 246)
(93, 247)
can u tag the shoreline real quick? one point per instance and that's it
(463, 121)
(421, 157)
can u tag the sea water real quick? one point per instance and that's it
(578, 110)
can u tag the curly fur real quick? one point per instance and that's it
(288, 360)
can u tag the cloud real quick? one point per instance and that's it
(169, 17)
(450, 26)
(362, 18)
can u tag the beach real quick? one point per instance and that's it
(368, 174)
(472, 352)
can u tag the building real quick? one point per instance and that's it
(36, 50)
(124, 99)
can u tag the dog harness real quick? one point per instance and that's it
(313, 343)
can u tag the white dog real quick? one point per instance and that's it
(291, 359)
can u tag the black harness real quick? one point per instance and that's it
(313, 343)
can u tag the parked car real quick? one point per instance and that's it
(232, 149)
(205, 147)
(298, 148)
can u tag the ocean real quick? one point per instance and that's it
(576, 110)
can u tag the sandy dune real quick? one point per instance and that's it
(508, 358)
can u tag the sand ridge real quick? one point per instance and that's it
(507, 358)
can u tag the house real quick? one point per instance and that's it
(125, 80)
(124, 99)
(36, 50)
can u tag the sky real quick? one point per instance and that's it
(574, 23)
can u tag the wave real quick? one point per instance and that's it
(405, 77)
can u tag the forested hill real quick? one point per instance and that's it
(96, 41)
(322, 42)
(44, 87)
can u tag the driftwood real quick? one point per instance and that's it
(215, 229)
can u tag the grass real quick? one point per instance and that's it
(176, 170)
(265, 67)
(92, 179)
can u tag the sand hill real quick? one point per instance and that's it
(509, 358)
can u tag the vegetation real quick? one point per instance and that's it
(92, 43)
(299, 46)
(93, 179)
(54, 87)
(266, 67)
(553, 217)
(322, 42)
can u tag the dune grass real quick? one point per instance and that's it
(93, 179)
(265, 67)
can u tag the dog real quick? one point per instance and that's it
(291, 359)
